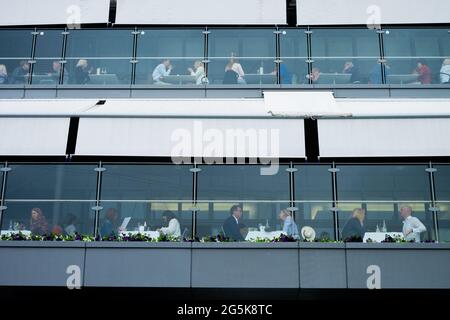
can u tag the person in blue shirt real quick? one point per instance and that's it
(289, 226)
(375, 76)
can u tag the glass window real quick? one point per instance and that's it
(48, 53)
(383, 217)
(242, 56)
(170, 57)
(259, 197)
(313, 196)
(51, 181)
(442, 191)
(417, 56)
(442, 182)
(294, 53)
(50, 198)
(345, 56)
(144, 193)
(381, 190)
(383, 182)
(15, 54)
(99, 57)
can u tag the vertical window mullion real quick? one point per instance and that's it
(4, 170)
(431, 171)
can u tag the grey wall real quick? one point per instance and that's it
(225, 265)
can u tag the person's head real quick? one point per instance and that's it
(167, 216)
(236, 211)
(348, 65)
(198, 64)
(36, 214)
(421, 63)
(3, 71)
(405, 211)
(25, 65)
(315, 71)
(284, 213)
(82, 63)
(359, 214)
(166, 63)
(56, 66)
(111, 214)
(446, 62)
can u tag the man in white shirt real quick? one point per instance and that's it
(162, 70)
(173, 229)
(412, 226)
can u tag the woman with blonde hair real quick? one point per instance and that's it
(81, 74)
(3, 74)
(289, 226)
(198, 72)
(445, 71)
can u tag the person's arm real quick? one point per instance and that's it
(171, 228)
(240, 70)
(418, 226)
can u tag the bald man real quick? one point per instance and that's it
(412, 227)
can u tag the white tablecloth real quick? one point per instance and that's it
(380, 236)
(8, 232)
(253, 235)
(151, 234)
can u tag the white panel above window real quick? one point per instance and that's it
(172, 137)
(33, 136)
(373, 12)
(384, 137)
(43, 12)
(211, 12)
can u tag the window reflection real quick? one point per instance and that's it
(294, 55)
(417, 56)
(242, 56)
(48, 50)
(15, 54)
(168, 57)
(345, 56)
(94, 58)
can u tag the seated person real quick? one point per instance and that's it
(314, 76)
(289, 226)
(234, 65)
(173, 228)
(232, 225)
(38, 223)
(81, 74)
(423, 72)
(285, 75)
(412, 226)
(70, 226)
(354, 228)
(350, 68)
(3, 74)
(110, 227)
(375, 76)
(198, 72)
(162, 70)
(55, 72)
(445, 71)
(21, 73)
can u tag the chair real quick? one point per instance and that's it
(183, 235)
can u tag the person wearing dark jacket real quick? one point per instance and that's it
(354, 228)
(232, 225)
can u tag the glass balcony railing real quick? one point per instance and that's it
(226, 56)
(231, 201)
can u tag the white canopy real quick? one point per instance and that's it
(43, 12)
(204, 12)
(372, 12)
